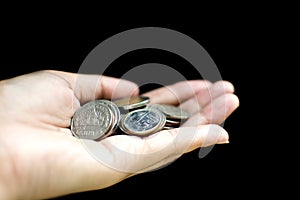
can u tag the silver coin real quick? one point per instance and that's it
(168, 127)
(116, 115)
(171, 112)
(162, 122)
(129, 103)
(143, 122)
(92, 121)
(172, 122)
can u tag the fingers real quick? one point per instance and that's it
(90, 87)
(221, 107)
(178, 92)
(206, 95)
(206, 102)
(193, 95)
(216, 112)
(195, 120)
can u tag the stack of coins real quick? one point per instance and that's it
(95, 120)
(129, 104)
(174, 115)
(132, 115)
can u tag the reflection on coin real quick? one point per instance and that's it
(92, 121)
(129, 103)
(171, 112)
(142, 122)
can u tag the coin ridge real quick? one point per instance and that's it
(116, 116)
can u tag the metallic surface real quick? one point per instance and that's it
(171, 112)
(142, 122)
(129, 103)
(92, 121)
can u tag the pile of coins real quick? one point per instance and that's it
(174, 115)
(133, 116)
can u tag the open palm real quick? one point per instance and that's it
(42, 159)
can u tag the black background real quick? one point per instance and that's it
(29, 45)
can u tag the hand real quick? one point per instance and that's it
(41, 159)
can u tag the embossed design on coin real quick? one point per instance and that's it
(92, 121)
(143, 122)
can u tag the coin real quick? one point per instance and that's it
(129, 103)
(171, 112)
(168, 128)
(172, 123)
(116, 115)
(131, 115)
(142, 122)
(92, 121)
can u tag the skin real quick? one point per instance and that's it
(41, 159)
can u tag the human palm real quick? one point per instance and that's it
(43, 159)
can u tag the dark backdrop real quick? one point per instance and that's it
(28, 46)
